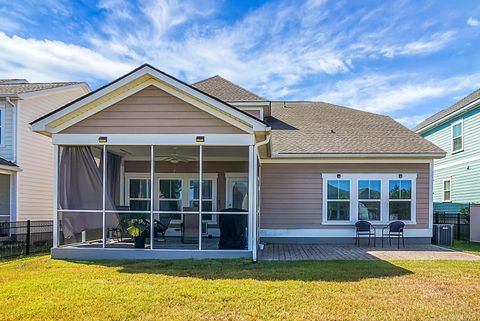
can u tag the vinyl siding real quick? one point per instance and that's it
(152, 111)
(6, 147)
(463, 167)
(291, 194)
(35, 182)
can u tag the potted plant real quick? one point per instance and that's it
(138, 229)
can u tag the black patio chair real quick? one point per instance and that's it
(394, 229)
(162, 224)
(364, 228)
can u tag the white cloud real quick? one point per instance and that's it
(474, 22)
(412, 121)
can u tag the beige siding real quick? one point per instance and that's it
(209, 167)
(152, 111)
(292, 193)
(35, 198)
(6, 146)
(255, 113)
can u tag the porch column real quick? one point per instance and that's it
(55, 196)
(251, 197)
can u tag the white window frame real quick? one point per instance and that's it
(160, 177)
(131, 176)
(384, 199)
(447, 179)
(229, 176)
(2, 124)
(452, 138)
(325, 216)
(378, 200)
(412, 199)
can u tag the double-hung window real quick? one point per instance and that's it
(369, 200)
(338, 200)
(457, 136)
(207, 196)
(400, 200)
(170, 196)
(139, 194)
(447, 190)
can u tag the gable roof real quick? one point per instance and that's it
(318, 128)
(448, 111)
(144, 70)
(226, 90)
(13, 88)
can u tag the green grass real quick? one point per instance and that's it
(41, 288)
(467, 247)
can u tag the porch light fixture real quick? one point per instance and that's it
(200, 139)
(400, 175)
(102, 139)
(339, 176)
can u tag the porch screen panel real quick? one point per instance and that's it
(176, 216)
(128, 187)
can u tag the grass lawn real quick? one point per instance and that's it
(41, 288)
(467, 247)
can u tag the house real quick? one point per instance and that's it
(173, 170)
(26, 159)
(456, 130)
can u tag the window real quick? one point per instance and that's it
(207, 196)
(139, 194)
(400, 200)
(170, 196)
(338, 200)
(369, 200)
(447, 190)
(457, 136)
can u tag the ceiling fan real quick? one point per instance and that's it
(174, 157)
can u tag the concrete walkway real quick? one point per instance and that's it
(287, 252)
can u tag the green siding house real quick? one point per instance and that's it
(457, 131)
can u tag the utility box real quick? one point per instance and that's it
(443, 234)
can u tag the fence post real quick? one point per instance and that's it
(444, 217)
(458, 226)
(27, 250)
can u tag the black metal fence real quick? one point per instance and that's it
(460, 221)
(25, 237)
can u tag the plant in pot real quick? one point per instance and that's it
(138, 229)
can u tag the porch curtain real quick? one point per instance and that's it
(113, 179)
(80, 188)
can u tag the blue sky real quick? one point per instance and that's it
(406, 59)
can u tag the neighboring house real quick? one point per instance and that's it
(206, 170)
(456, 130)
(26, 159)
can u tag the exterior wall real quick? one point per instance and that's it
(152, 111)
(291, 194)
(6, 147)
(4, 197)
(463, 167)
(209, 167)
(35, 182)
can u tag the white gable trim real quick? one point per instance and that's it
(163, 82)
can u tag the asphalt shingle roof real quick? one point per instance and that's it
(225, 90)
(14, 89)
(445, 112)
(322, 128)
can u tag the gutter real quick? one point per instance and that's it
(294, 155)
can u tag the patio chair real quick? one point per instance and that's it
(162, 224)
(394, 229)
(364, 228)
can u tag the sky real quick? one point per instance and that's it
(405, 59)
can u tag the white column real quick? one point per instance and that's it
(104, 174)
(152, 171)
(200, 197)
(55, 196)
(254, 207)
(251, 197)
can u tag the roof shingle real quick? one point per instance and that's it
(321, 128)
(445, 112)
(14, 89)
(225, 90)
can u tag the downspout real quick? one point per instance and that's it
(14, 179)
(257, 207)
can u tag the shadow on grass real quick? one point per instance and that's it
(339, 271)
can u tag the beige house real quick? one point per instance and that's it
(26, 159)
(151, 167)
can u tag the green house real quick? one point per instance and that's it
(456, 130)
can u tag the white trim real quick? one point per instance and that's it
(166, 83)
(460, 121)
(104, 191)
(200, 195)
(152, 186)
(430, 195)
(155, 139)
(228, 177)
(384, 201)
(446, 118)
(345, 160)
(254, 196)
(2, 125)
(446, 179)
(250, 103)
(356, 155)
(55, 196)
(456, 163)
(333, 232)
(251, 191)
